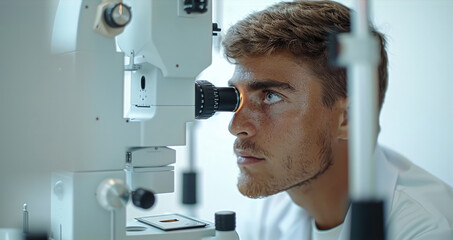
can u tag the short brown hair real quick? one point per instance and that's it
(301, 28)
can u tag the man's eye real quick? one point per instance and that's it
(271, 97)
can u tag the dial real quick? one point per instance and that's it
(117, 15)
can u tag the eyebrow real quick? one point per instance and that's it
(267, 83)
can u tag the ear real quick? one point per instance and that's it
(341, 109)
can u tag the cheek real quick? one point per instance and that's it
(290, 130)
(287, 118)
(282, 131)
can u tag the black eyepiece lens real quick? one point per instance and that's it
(210, 99)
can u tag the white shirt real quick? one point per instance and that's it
(330, 234)
(418, 206)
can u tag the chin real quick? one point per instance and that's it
(254, 188)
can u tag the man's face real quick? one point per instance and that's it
(283, 131)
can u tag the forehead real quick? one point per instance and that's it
(281, 67)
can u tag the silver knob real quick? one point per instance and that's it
(117, 15)
(112, 193)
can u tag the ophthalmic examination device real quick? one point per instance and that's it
(89, 110)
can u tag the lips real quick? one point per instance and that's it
(245, 158)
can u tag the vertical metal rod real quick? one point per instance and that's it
(191, 145)
(112, 225)
(360, 19)
(191, 128)
(367, 221)
(25, 219)
(362, 87)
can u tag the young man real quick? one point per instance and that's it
(292, 133)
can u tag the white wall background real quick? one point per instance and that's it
(417, 118)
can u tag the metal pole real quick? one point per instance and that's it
(362, 87)
(367, 219)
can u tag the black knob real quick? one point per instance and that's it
(117, 15)
(225, 221)
(196, 6)
(215, 29)
(143, 198)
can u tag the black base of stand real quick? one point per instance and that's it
(367, 220)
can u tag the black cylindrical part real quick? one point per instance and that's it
(210, 99)
(367, 220)
(225, 221)
(228, 99)
(189, 188)
(143, 198)
(34, 236)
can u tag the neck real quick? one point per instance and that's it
(326, 198)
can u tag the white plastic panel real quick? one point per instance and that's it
(152, 157)
(180, 46)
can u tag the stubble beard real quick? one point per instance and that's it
(259, 186)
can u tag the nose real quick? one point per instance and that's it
(243, 123)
